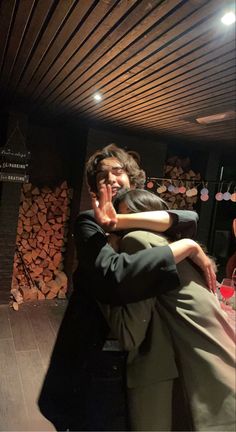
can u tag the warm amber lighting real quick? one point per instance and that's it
(216, 118)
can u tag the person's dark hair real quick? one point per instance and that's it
(135, 173)
(140, 200)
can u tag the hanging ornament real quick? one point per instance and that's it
(161, 189)
(204, 191)
(233, 197)
(194, 191)
(176, 190)
(150, 185)
(170, 188)
(219, 196)
(204, 197)
(182, 189)
(227, 196)
(189, 193)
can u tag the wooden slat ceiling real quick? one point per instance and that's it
(157, 64)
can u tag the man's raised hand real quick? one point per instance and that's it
(104, 211)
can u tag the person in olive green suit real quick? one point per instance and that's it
(202, 336)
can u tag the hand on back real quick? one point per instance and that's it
(206, 264)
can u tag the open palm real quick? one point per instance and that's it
(104, 211)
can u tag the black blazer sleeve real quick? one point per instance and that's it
(119, 278)
(184, 224)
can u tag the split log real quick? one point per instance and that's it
(41, 239)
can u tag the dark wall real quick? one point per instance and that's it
(57, 154)
(217, 165)
(222, 242)
(152, 151)
(9, 210)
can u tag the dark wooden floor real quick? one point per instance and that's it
(27, 337)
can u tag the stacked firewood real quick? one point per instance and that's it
(182, 181)
(40, 243)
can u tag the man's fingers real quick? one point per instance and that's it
(211, 278)
(102, 199)
(109, 193)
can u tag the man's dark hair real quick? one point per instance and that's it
(135, 173)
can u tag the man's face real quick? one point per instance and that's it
(110, 171)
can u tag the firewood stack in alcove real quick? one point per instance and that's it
(184, 179)
(40, 243)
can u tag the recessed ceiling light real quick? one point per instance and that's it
(97, 97)
(228, 18)
(216, 118)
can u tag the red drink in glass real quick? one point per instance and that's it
(226, 291)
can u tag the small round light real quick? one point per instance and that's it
(97, 97)
(228, 18)
(161, 189)
(204, 191)
(204, 197)
(233, 197)
(182, 189)
(170, 188)
(219, 196)
(176, 190)
(226, 196)
(194, 191)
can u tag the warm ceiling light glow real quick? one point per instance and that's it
(228, 18)
(97, 97)
(216, 118)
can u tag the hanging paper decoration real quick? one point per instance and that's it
(204, 191)
(190, 189)
(226, 196)
(219, 196)
(170, 188)
(176, 190)
(161, 189)
(181, 187)
(194, 191)
(233, 197)
(189, 193)
(204, 197)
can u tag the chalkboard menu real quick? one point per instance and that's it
(14, 159)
